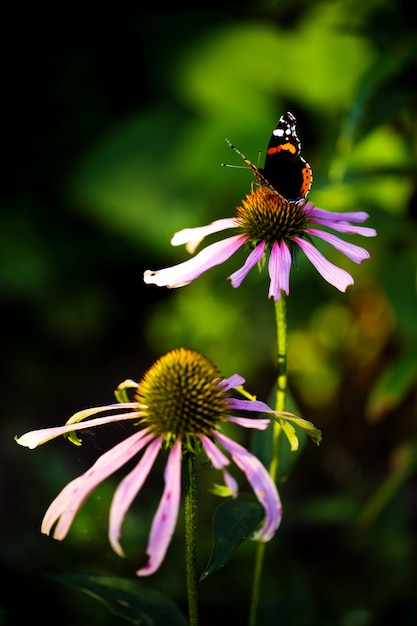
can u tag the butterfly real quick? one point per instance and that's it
(285, 170)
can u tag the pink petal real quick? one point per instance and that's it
(353, 252)
(184, 273)
(329, 216)
(217, 458)
(165, 519)
(127, 490)
(250, 422)
(35, 438)
(334, 275)
(261, 483)
(80, 416)
(346, 228)
(249, 405)
(230, 483)
(232, 382)
(193, 236)
(254, 257)
(66, 505)
(279, 270)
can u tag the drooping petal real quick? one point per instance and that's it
(184, 273)
(334, 275)
(230, 483)
(35, 438)
(249, 405)
(353, 252)
(346, 228)
(66, 505)
(193, 236)
(274, 273)
(165, 519)
(127, 490)
(279, 270)
(254, 257)
(80, 416)
(232, 382)
(330, 216)
(219, 460)
(250, 422)
(262, 484)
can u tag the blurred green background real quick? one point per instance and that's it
(113, 134)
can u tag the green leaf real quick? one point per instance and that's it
(313, 432)
(234, 520)
(291, 435)
(127, 599)
(392, 387)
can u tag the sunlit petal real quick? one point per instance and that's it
(353, 252)
(165, 519)
(334, 275)
(35, 438)
(347, 229)
(80, 416)
(193, 236)
(127, 490)
(279, 270)
(254, 257)
(184, 273)
(330, 216)
(66, 505)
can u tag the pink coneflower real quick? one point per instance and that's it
(267, 222)
(179, 407)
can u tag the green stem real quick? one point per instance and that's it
(256, 586)
(281, 393)
(190, 515)
(282, 380)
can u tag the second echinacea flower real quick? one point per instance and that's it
(179, 406)
(267, 222)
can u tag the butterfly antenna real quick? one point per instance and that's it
(237, 152)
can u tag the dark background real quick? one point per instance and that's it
(114, 123)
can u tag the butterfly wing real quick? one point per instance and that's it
(285, 169)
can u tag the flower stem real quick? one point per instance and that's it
(281, 321)
(281, 393)
(190, 514)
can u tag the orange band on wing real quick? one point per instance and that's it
(288, 147)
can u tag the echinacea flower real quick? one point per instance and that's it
(267, 222)
(179, 406)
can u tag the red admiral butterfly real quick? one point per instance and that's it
(285, 170)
